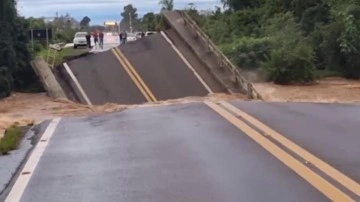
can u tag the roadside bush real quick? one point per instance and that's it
(38, 46)
(295, 66)
(291, 59)
(248, 52)
(11, 140)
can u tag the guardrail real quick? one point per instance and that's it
(223, 61)
(56, 48)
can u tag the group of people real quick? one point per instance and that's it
(98, 37)
(123, 37)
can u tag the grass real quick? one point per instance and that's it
(64, 54)
(11, 139)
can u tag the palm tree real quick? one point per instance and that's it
(167, 4)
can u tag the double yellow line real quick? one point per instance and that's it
(144, 89)
(231, 114)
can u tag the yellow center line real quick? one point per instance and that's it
(132, 69)
(131, 76)
(329, 190)
(320, 164)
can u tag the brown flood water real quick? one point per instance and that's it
(330, 90)
(27, 109)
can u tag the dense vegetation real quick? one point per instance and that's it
(289, 40)
(16, 51)
(15, 70)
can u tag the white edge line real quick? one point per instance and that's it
(24, 177)
(77, 84)
(187, 63)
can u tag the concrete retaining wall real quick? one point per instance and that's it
(47, 78)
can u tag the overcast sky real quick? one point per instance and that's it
(99, 10)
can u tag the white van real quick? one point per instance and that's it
(80, 39)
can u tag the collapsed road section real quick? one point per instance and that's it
(147, 70)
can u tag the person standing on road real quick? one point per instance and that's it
(96, 39)
(88, 41)
(121, 38)
(124, 37)
(101, 38)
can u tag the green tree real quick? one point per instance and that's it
(149, 21)
(130, 19)
(7, 50)
(167, 5)
(85, 22)
(15, 70)
(36, 22)
(241, 4)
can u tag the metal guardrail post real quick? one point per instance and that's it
(56, 48)
(249, 91)
(221, 65)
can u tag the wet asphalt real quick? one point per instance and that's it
(104, 80)
(329, 131)
(187, 152)
(11, 164)
(162, 70)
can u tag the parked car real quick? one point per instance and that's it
(80, 39)
(131, 37)
(138, 35)
(148, 33)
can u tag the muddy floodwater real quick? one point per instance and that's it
(330, 90)
(27, 109)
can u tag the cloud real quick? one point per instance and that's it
(99, 10)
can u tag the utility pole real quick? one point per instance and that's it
(131, 28)
(119, 27)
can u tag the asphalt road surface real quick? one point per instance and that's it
(147, 70)
(200, 152)
(162, 70)
(104, 80)
(109, 42)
